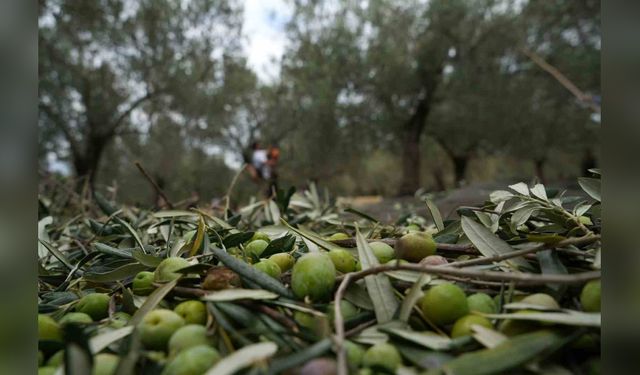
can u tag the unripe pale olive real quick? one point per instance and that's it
(256, 247)
(260, 236)
(541, 299)
(96, 305)
(590, 296)
(348, 310)
(143, 283)
(338, 236)
(444, 304)
(283, 260)
(313, 276)
(342, 260)
(481, 302)
(269, 267)
(166, 270)
(415, 246)
(462, 326)
(382, 355)
(382, 251)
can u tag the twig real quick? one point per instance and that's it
(465, 248)
(227, 197)
(272, 313)
(457, 248)
(154, 184)
(187, 201)
(472, 281)
(184, 291)
(339, 324)
(351, 242)
(496, 258)
(564, 81)
(81, 246)
(515, 278)
(360, 327)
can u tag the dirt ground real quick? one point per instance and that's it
(388, 209)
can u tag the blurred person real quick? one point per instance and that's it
(257, 162)
(262, 166)
(271, 176)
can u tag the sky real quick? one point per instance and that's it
(265, 38)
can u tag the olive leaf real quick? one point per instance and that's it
(521, 188)
(280, 365)
(106, 249)
(423, 358)
(174, 213)
(378, 286)
(415, 293)
(316, 239)
(361, 214)
(488, 243)
(243, 358)
(250, 273)
(236, 239)
(43, 235)
(427, 339)
(358, 296)
(550, 264)
(57, 254)
(152, 301)
(507, 355)
(488, 337)
(132, 231)
(500, 196)
(273, 212)
(523, 214)
(237, 294)
(568, 317)
(77, 354)
(104, 204)
(581, 208)
(591, 186)
(123, 272)
(539, 192)
(435, 214)
(146, 259)
(198, 241)
(283, 244)
(101, 341)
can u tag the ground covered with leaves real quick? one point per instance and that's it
(299, 285)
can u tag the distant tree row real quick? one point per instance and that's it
(411, 90)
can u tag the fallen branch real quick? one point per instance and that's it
(461, 248)
(516, 278)
(497, 258)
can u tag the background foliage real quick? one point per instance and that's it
(377, 97)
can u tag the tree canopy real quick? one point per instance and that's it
(373, 97)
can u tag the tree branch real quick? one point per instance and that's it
(135, 104)
(60, 123)
(154, 184)
(562, 79)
